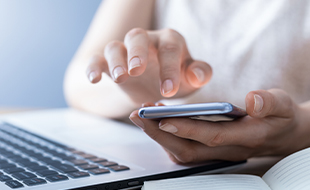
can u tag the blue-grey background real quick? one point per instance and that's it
(37, 41)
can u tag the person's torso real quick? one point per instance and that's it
(257, 44)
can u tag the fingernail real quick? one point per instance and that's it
(137, 121)
(199, 74)
(259, 103)
(167, 86)
(168, 128)
(118, 71)
(135, 62)
(92, 76)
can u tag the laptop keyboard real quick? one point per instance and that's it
(27, 160)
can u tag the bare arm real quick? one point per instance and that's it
(112, 21)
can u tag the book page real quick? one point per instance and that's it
(206, 182)
(293, 172)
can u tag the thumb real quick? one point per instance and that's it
(198, 73)
(273, 102)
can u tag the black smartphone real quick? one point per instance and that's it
(214, 111)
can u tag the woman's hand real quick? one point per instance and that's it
(150, 65)
(275, 125)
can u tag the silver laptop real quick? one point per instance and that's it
(69, 149)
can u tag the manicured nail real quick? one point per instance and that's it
(118, 71)
(92, 76)
(199, 74)
(259, 103)
(137, 121)
(167, 86)
(134, 62)
(168, 128)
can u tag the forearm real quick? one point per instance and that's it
(113, 20)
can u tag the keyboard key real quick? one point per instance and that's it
(6, 153)
(65, 168)
(14, 184)
(13, 170)
(69, 148)
(16, 146)
(18, 158)
(45, 173)
(77, 152)
(98, 160)
(37, 168)
(98, 171)
(23, 175)
(119, 168)
(21, 148)
(39, 146)
(51, 151)
(4, 166)
(78, 174)
(54, 163)
(47, 160)
(34, 181)
(40, 158)
(31, 152)
(2, 150)
(78, 162)
(2, 161)
(64, 156)
(67, 158)
(30, 163)
(9, 155)
(88, 156)
(107, 164)
(55, 178)
(36, 155)
(5, 178)
(58, 154)
(88, 167)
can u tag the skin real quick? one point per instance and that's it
(275, 126)
(144, 65)
(105, 98)
(150, 65)
(127, 63)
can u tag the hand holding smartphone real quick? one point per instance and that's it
(214, 111)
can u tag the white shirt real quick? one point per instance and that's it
(250, 45)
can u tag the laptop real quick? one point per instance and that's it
(71, 149)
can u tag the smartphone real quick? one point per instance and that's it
(214, 111)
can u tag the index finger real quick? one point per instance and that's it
(187, 151)
(247, 131)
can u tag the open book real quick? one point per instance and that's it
(292, 172)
